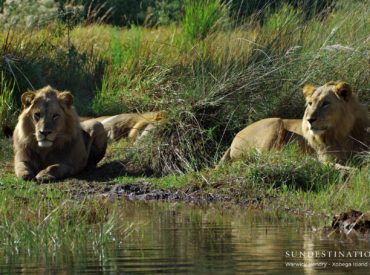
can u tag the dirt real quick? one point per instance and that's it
(144, 191)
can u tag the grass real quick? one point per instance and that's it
(212, 80)
(43, 218)
(203, 17)
(7, 105)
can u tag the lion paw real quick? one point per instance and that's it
(44, 177)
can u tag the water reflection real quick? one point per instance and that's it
(177, 238)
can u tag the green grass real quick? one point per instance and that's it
(213, 78)
(203, 17)
(49, 219)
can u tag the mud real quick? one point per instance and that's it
(144, 191)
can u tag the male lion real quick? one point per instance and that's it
(266, 134)
(49, 141)
(131, 125)
(335, 124)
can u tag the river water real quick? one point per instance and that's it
(182, 239)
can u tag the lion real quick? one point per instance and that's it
(265, 135)
(129, 125)
(335, 124)
(49, 141)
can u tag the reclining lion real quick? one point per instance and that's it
(49, 141)
(335, 126)
(130, 125)
(266, 134)
(335, 123)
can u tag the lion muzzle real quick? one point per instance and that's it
(42, 139)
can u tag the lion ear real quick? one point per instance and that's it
(343, 90)
(27, 99)
(66, 98)
(308, 90)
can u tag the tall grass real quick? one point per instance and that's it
(7, 104)
(47, 220)
(46, 57)
(203, 17)
(212, 87)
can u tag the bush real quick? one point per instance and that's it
(130, 12)
(258, 9)
(28, 13)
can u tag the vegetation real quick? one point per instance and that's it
(213, 73)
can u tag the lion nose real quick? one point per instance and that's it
(311, 120)
(45, 133)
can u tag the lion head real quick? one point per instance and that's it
(49, 117)
(334, 121)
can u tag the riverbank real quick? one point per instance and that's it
(88, 213)
(274, 181)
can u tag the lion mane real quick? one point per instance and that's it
(49, 141)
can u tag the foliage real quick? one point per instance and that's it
(28, 13)
(7, 104)
(258, 9)
(203, 17)
(165, 11)
(131, 12)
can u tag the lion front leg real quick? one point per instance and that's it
(23, 168)
(54, 172)
(24, 171)
(97, 142)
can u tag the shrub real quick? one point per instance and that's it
(28, 13)
(258, 9)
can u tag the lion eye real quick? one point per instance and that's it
(325, 103)
(56, 116)
(37, 116)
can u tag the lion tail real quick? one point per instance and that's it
(226, 157)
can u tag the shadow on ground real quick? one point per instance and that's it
(111, 170)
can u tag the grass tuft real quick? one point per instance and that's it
(203, 17)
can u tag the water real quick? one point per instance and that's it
(181, 239)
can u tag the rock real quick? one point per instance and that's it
(352, 220)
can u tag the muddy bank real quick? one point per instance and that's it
(144, 191)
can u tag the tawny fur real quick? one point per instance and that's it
(129, 125)
(66, 148)
(266, 134)
(335, 123)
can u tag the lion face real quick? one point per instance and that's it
(327, 107)
(46, 110)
